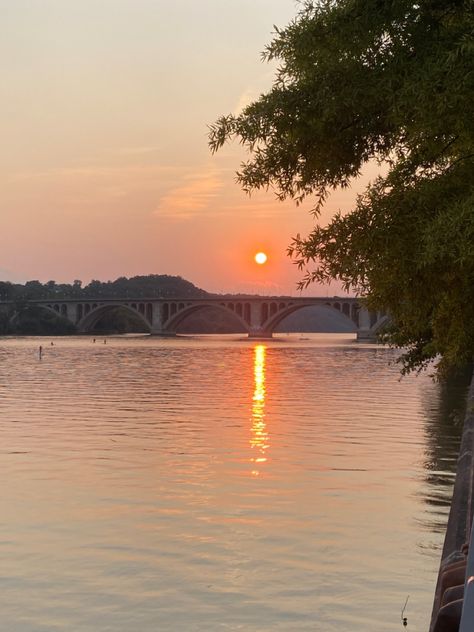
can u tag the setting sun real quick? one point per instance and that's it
(261, 258)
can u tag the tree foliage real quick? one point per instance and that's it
(390, 81)
(145, 286)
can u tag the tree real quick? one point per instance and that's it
(7, 291)
(33, 290)
(76, 289)
(387, 81)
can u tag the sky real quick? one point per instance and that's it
(105, 169)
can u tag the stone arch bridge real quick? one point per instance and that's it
(259, 316)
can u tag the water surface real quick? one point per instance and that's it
(213, 483)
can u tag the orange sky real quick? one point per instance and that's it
(105, 169)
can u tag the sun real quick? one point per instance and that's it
(261, 258)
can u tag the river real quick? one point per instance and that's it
(216, 483)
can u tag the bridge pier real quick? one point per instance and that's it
(260, 333)
(158, 321)
(256, 321)
(163, 334)
(366, 336)
(364, 332)
(72, 313)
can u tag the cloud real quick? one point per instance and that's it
(253, 93)
(138, 151)
(246, 98)
(193, 197)
(117, 172)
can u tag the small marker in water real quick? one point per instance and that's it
(402, 617)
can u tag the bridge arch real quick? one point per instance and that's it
(91, 314)
(49, 309)
(60, 324)
(237, 311)
(349, 315)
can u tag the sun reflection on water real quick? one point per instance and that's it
(259, 434)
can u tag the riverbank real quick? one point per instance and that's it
(458, 530)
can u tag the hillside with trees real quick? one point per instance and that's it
(149, 286)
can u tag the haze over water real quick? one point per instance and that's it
(214, 483)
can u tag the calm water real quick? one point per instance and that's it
(219, 484)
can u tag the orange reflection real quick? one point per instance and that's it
(259, 434)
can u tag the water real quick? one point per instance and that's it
(214, 483)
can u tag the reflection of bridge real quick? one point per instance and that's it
(259, 316)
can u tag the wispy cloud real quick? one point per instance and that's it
(138, 151)
(252, 93)
(192, 197)
(117, 172)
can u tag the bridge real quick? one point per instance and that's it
(259, 316)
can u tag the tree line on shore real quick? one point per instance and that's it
(151, 285)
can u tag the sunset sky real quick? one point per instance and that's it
(105, 168)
